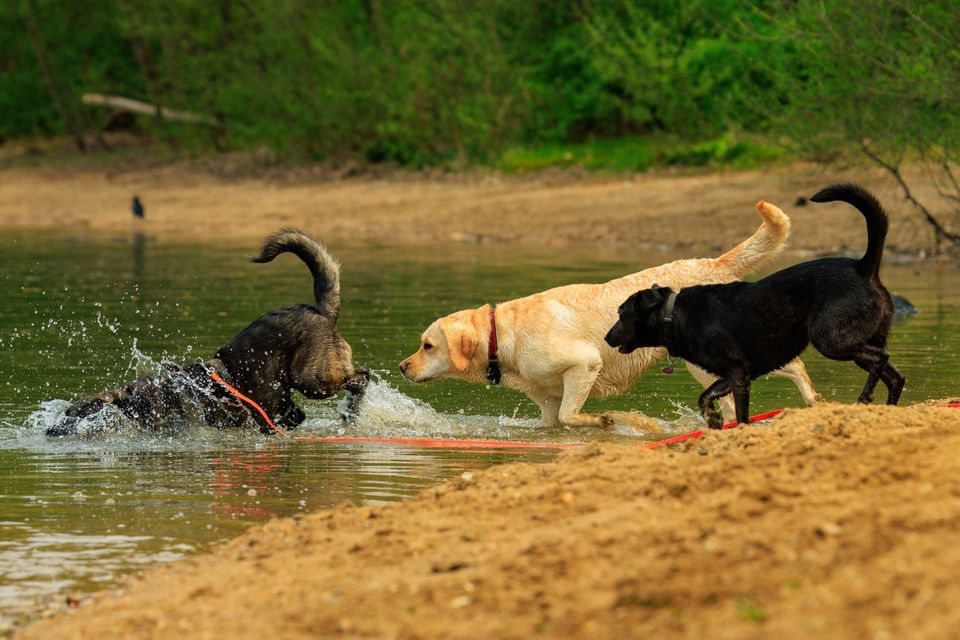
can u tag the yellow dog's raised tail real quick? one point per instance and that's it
(763, 246)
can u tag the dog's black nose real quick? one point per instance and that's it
(611, 337)
(403, 366)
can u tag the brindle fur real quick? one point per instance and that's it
(295, 348)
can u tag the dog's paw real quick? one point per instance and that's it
(65, 426)
(713, 417)
(631, 423)
(606, 421)
(292, 418)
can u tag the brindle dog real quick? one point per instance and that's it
(295, 348)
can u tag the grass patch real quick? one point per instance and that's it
(747, 609)
(630, 155)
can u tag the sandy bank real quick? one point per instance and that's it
(832, 522)
(699, 213)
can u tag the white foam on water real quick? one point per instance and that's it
(385, 412)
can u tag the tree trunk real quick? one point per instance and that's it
(49, 77)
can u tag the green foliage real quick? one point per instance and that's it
(635, 154)
(617, 84)
(871, 74)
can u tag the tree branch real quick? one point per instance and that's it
(894, 170)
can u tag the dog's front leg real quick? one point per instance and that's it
(292, 417)
(355, 387)
(549, 410)
(706, 379)
(741, 398)
(577, 383)
(717, 390)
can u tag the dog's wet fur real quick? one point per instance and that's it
(740, 331)
(295, 348)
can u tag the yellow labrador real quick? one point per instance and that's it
(550, 345)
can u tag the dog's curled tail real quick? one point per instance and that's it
(877, 224)
(763, 246)
(323, 266)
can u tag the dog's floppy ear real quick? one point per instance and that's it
(650, 298)
(654, 296)
(462, 340)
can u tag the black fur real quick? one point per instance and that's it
(741, 330)
(296, 348)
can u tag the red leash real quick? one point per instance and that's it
(451, 443)
(693, 435)
(437, 443)
(252, 403)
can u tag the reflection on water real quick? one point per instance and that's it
(80, 315)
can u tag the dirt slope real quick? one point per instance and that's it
(696, 213)
(832, 522)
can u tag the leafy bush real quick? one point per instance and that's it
(540, 83)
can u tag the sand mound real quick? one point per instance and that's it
(835, 521)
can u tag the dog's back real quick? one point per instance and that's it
(821, 300)
(586, 311)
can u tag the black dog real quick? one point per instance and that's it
(742, 330)
(296, 348)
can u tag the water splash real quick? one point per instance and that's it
(385, 412)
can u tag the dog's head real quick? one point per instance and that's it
(639, 321)
(446, 349)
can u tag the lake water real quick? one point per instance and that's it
(80, 314)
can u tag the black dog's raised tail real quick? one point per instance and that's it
(323, 266)
(871, 209)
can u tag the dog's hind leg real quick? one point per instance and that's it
(873, 360)
(796, 372)
(718, 389)
(894, 381)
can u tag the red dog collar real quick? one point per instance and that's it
(493, 364)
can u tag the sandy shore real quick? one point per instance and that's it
(696, 213)
(833, 522)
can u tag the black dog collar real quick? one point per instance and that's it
(668, 326)
(493, 363)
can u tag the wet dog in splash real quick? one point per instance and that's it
(742, 330)
(294, 348)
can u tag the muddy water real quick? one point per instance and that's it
(78, 314)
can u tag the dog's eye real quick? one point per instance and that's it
(427, 346)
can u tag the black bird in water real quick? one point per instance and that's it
(137, 207)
